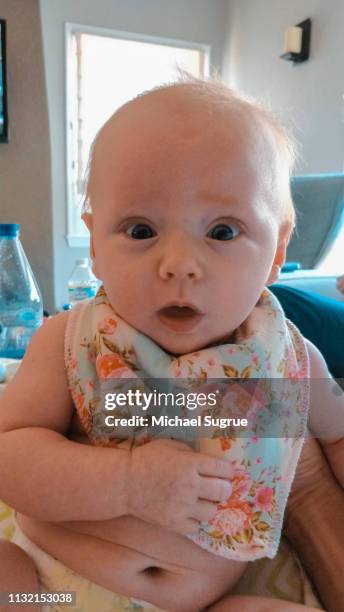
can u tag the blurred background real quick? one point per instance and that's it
(70, 64)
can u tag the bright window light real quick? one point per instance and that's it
(333, 262)
(105, 70)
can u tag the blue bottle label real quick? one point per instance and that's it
(26, 315)
(82, 292)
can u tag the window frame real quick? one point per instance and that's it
(73, 239)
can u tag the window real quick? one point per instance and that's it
(332, 264)
(104, 70)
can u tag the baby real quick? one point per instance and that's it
(189, 211)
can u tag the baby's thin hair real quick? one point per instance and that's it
(211, 94)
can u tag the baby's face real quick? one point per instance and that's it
(184, 232)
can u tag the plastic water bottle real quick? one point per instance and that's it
(21, 307)
(82, 284)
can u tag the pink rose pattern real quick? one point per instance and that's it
(247, 526)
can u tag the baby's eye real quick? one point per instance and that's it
(222, 231)
(140, 231)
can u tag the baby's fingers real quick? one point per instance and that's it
(214, 489)
(204, 511)
(189, 527)
(212, 466)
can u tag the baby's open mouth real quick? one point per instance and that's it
(180, 318)
(179, 312)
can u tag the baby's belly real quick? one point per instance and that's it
(133, 558)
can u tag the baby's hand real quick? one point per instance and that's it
(174, 487)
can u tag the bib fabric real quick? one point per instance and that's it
(268, 354)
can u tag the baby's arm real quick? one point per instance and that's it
(327, 412)
(43, 474)
(49, 477)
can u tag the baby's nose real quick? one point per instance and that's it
(180, 265)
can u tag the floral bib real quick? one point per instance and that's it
(262, 375)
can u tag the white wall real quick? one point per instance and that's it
(308, 96)
(23, 198)
(201, 21)
(247, 39)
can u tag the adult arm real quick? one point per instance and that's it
(315, 527)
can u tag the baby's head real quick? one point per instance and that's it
(189, 209)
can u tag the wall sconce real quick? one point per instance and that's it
(297, 42)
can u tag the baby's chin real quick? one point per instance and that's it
(178, 344)
(185, 346)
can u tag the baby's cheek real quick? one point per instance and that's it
(238, 300)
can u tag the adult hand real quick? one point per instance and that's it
(340, 283)
(314, 524)
(313, 475)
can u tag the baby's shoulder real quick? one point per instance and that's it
(38, 395)
(48, 342)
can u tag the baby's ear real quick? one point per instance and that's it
(88, 220)
(284, 236)
(278, 262)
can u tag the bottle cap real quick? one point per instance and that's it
(9, 229)
(82, 262)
